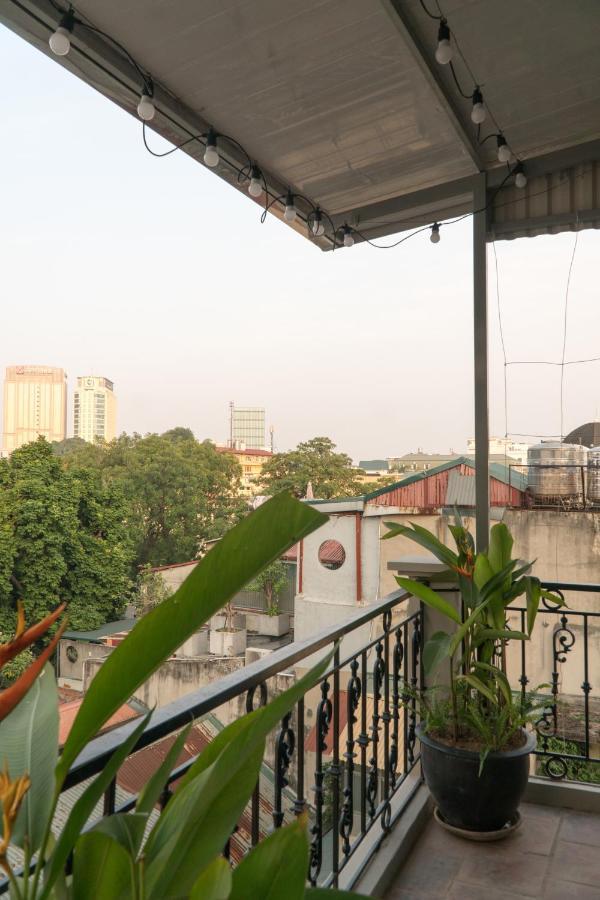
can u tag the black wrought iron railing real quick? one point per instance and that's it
(564, 658)
(342, 754)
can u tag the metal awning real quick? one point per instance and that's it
(342, 100)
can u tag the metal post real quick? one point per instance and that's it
(482, 485)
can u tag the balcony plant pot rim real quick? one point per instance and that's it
(476, 802)
(524, 750)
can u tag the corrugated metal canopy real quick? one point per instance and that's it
(342, 100)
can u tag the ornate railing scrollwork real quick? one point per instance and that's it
(324, 711)
(354, 692)
(284, 748)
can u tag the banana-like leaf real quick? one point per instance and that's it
(435, 651)
(498, 634)
(29, 743)
(127, 829)
(500, 548)
(430, 597)
(102, 869)
(214, 883)
(500, 679)
(478, 684)
(212, 795)
(460, 632)
(424, 538)
(275, 868)
(152, 790)
(237, 558)
(84, 807)
(533, 595)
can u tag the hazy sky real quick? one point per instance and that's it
(157, 275)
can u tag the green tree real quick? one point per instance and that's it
(63, 536)
(179, 492)
(331, 474)
(151, 590)
(271, 582)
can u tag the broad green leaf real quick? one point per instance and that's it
(214, 883)
(152, 790)
(29, 743)
(435, 651)
(84, 807)
(126, 829)
(499, 677)
(466, 626)
(500, 548)
(476, 683)
(553, 598)
(498, 634)
(255, 542)
(212, 795)
(430, 597)
(425, 539)
(102, 869)
(497, 581)
(533, 595)
(482, 572)
(276, 868)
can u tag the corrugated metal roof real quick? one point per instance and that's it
(96, 635)
(461, 490)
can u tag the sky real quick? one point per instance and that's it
(156, 274)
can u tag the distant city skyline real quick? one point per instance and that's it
(160, 276)
(94, 409)
(34, 403)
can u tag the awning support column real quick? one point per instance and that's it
(480, 333)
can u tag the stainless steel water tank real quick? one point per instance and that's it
(554, 470)
(593, 474)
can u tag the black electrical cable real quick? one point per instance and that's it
(430, 14)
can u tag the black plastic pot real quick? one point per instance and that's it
(466, 799)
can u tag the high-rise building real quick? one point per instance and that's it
(247, 427)
(35, 403)
(94, 409)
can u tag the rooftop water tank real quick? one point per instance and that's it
(555, 471)
(593, 474)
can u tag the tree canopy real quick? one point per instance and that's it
(179, 492)
(315, 461)
(62, 537)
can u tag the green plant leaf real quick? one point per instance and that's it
(430, 597)
(255, 542)
(102, 869)
(478, 684)
(152, 790)
(127, 829)
(213, 793)
(500, 548)
(500, 678)
(425, 539)
(84, 807)
(533, 595)
(498, 634)
(276, 867)
(214, 883)
(435, 651)
(29, 743)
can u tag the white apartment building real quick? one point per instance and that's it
(94, 409)
(35, 403)
(516, 450)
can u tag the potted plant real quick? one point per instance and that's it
(475, 744)
(230, 638)
(270, 583)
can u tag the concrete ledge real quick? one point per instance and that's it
(569, 794)
(395, 848)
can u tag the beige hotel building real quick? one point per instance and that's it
(35, 403)
(94, 409)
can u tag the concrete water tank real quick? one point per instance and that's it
(555, 470)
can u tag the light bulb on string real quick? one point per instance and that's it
(60, 40)
(478, 113)
(211, 153)
(348, 238)
(434, 237)
(289, 213)
(255, 187)
(317, 227)
(444, 50)
(503, 149)
(520, 176)
(145, 108)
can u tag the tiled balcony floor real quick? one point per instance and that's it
(554, 855)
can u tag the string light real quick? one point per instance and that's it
(348, 238)
(60, 40)
(503, 149)
(317, 227)
(444, 50)
(290, 211)
(520, 176)
(211, 154)
(255, 187)
(145, 108)
(434, 237)
(478, 113)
